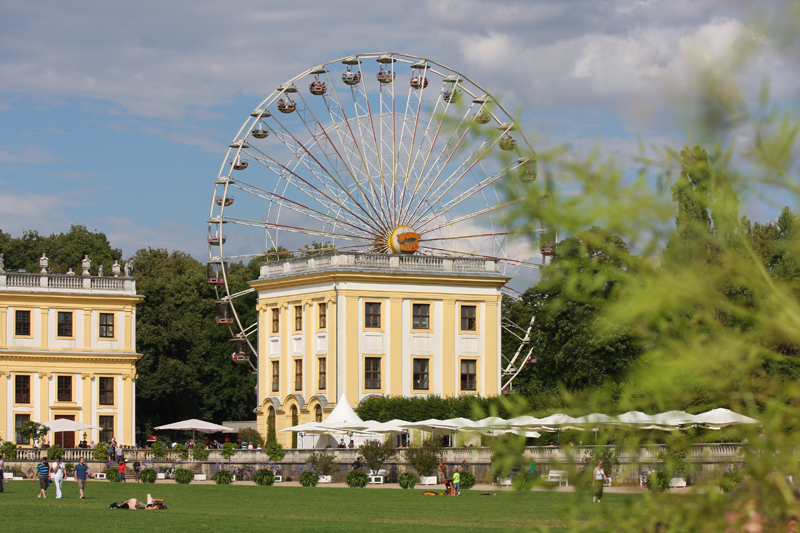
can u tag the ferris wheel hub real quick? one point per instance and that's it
(404, 240)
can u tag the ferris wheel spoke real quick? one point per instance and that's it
(351, 145)
(413, 108)
(478, 213)
(298, 229)
(330, 201)
(478, 187)
(297, 207)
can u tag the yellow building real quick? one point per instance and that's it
(373, 324)
(67, 350)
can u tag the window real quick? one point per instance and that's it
(22, 324)
(106, 391)
(298, 317)
(276, 375)
(276, 320)
(318, 414)
(372, 315)
(64, 324)
(298, 374)
(468, 318)
(64, 388)
(421, 312)
(323, 315)
(106, 428)
(372, 373)
(106, 324)
(420, 374)
(22, 389)
(468, 381)
(18, 421)
(323, 373)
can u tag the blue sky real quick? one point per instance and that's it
(118, 115)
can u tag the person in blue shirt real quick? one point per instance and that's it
(81, 470)
(44, 477)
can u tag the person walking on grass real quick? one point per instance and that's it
(137, 467)
(81, 471)
(121, 470)
(456, 483)
(43, 469)
(58, 473)
(600, 479)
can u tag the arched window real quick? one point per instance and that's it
(295, 421)
(318, 413)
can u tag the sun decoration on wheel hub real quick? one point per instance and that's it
(402, 240)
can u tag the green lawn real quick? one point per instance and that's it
(248, 508)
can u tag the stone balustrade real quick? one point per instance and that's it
(379, 262)
(23, 281)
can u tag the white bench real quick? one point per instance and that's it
(677, 483)
(558, 476)
(100, 475)
(278, 478)
(199, 477)
(377, 477)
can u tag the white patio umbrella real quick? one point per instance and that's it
(197, 425)
(595, 419)
(392, 426)
(635, 418)
(674, 418)
(460, 422)
(60, 425)
(308, 427)
(431, 425)
(557, 420)
(525, 421)
(721, 417)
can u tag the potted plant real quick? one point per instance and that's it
(424, 459)
(376, 453)
(325, 465)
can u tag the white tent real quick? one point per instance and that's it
(342, 424)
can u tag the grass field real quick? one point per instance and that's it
(201, 507)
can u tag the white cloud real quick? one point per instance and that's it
(27, 154)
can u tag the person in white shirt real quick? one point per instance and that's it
(58, 473)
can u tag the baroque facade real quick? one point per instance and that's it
(373, 324)
(67, 350)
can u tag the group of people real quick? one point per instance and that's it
(452, 487)
(57, 472)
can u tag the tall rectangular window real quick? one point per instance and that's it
(468, 381)
(323, 315)
(106, 324)
(64, 388)
(276, 320)
(106, 428)
(22, 389)
(106, 386)
(22, 323)
(276, 376)
(420, 316)
(18, 421)
(372, 373)
(298, 374)
(372, 315)
(64, 324)
(468, 318)
(323, 372)
(298, 317)
(420, 378)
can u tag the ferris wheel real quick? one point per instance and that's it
(377, 153)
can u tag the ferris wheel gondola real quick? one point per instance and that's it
(369, 166)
